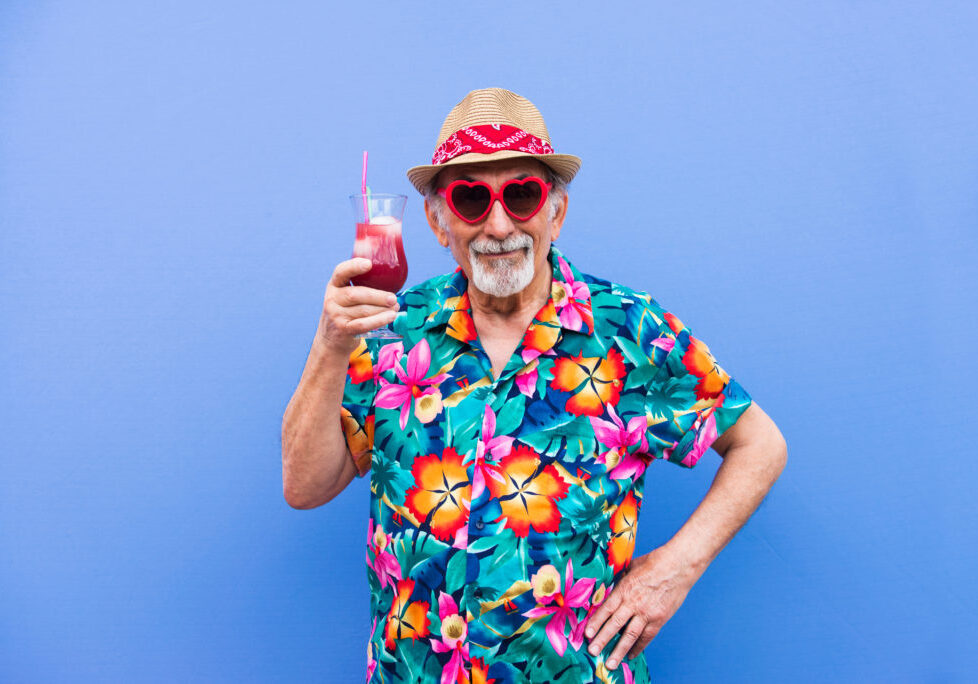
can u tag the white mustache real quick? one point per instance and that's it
(510, 244)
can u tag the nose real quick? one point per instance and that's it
(498, 224)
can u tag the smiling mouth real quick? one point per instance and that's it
(502, 255)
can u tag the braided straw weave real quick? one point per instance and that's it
(494, 106)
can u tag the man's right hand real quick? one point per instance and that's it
(351, 310)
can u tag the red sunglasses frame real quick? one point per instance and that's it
(446, 192)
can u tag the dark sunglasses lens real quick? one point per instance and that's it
(470, 201)
(523, 198)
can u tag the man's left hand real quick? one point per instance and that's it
(649, 593)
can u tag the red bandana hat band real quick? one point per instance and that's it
(487, 139)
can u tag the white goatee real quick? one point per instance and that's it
(502, 277)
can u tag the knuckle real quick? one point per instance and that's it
(657, 617)
(355, 296)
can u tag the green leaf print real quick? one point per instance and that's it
(389, 479)
(663, 401)
(510, 415)
(632, 352)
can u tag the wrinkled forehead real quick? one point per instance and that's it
(491, 172)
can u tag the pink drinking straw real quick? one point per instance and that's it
(363, 188)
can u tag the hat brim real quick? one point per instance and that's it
(565, 166)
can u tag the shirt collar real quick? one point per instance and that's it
(569, 305)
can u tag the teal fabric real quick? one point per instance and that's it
(503, 511)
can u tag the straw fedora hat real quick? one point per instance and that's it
(489, 125)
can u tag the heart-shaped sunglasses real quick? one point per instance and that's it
(472, 200)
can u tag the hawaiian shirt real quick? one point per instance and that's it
(503, 510)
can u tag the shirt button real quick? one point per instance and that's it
(479, 524)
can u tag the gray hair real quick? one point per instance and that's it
(558, 189)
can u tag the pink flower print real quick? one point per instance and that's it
(571, 299)
(389, 356)
(597, 598)
(493, 447)
(617, 437)
(454, 630)
(461, 540)
(526, 378)
(384, 564)
(664, 343)
(371, 661)
(706, 434)
(667, 452)
(560, 605)
(627, 674)
(393, 395)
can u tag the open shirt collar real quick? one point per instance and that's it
(568, 307)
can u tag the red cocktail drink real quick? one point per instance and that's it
(380, 241)
(378, 217)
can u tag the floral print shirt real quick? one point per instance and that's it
(503, 511)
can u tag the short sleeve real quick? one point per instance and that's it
(357, 412)
(691, 400)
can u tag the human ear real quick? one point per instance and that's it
(558, 220)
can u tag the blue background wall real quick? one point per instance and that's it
(795, 180)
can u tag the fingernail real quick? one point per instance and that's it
(590, 633)
(593, 650)
(612, 664)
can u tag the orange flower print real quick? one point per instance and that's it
(460, 324)
(440, 494)
(700, 362)
(480, 673)
(528, 492)
(674, 323)
(596, 381)
(406, 619)
(361, 369)
(359, 440)
(624, 525)
(544, 330)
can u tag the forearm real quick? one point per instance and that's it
(315, 462)
(743, 480)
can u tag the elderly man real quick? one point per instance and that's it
(509, 432)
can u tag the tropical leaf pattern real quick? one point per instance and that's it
(503, 510)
